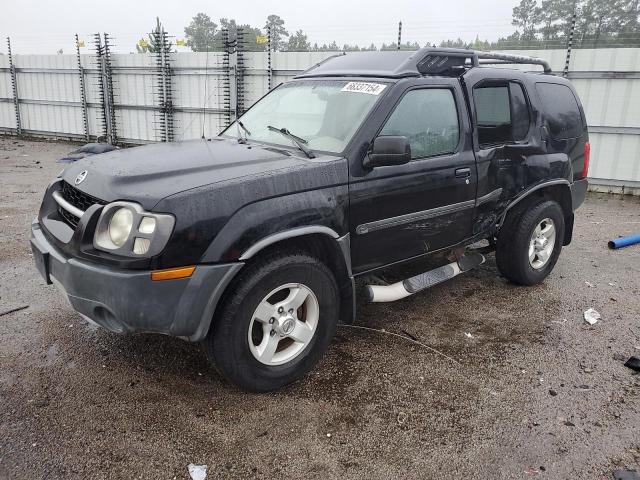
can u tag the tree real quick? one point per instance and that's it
(276, 24)
(250, 35)
(200, 34)
(480, 44)
(457, 43)
(154, 42)
(555, 18)
(526, 15)
(403, 46)
(298, 42)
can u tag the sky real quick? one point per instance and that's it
(48, 25)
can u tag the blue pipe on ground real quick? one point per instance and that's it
(624, 241)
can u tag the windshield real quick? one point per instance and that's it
(323, 113)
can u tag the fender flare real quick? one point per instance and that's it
(527, 193)
(348, 312)
(285, 234)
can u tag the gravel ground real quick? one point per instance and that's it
(527, 388)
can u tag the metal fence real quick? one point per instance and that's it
(140, 98)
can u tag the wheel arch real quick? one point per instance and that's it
(320, 242)
(558, 190)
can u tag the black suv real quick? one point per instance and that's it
(251, 241)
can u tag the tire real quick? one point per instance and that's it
(516, 242)
(228, 344)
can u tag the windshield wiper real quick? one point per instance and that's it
(246, 130)
(300, 142)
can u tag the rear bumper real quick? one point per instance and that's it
(578, 193)
(128, 300)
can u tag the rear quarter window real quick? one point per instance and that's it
(561, 111)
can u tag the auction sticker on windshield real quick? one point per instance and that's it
(364, 87)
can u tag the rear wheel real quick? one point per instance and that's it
(277, 322)
(530, 241)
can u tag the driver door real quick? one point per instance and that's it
(399, 212)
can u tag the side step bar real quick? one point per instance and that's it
(404, 288)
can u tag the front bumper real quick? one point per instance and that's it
(128, 300)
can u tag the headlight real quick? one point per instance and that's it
(124, 228)
(120, 226)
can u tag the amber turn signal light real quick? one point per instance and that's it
(172, 273)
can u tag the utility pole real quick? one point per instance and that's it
(565, 72)
(83, 91)
(399, 34)
(269, 71)
(14, 85)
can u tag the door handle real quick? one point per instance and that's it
(463, 172)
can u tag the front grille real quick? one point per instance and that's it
(78, 199)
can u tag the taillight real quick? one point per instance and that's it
(587, 154)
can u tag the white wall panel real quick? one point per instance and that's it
(49, 90)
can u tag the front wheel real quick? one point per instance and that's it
(530, 241)
(277, 322)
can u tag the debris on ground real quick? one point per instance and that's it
(633, 363)
(591, 316)
(197, 472)
(626, 475)
(589, 284)
(17, 309)
(624, 241)
(411, 336)
(468, 335)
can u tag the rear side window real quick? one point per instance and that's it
(502, 113)
(520, 108)
(429, 119)
(561, 110)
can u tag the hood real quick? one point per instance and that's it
(150, 173)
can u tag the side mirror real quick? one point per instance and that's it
(388, 150)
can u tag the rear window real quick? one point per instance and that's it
(561, 110)
(502, 113)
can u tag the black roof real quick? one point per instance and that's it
(400, 64)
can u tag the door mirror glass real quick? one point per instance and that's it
(388, 150)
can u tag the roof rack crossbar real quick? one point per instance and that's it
(504, 58)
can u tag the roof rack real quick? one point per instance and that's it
(493, 58)
(439, 60)
(426, 61)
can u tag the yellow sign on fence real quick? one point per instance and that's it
(181, 42)
(261, 39)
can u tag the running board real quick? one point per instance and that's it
(404, 288)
